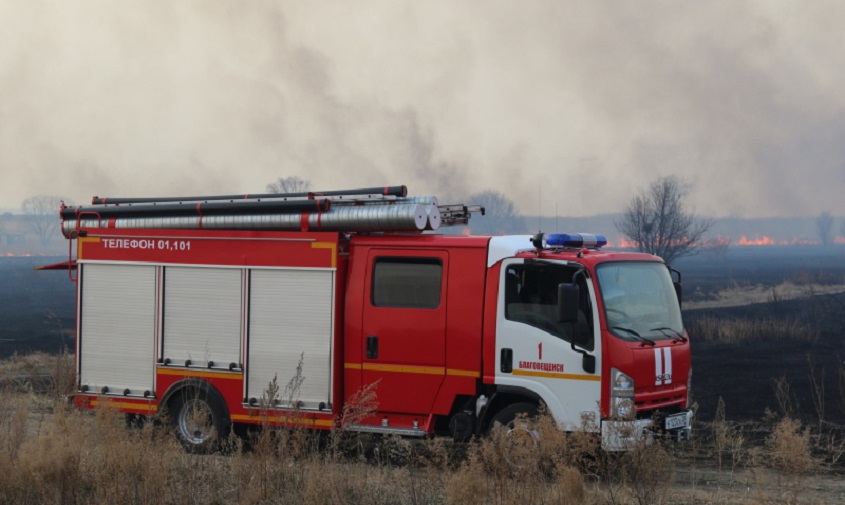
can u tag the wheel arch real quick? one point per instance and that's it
(212, 393)
(501, 399)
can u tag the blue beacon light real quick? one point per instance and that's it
(575, 240)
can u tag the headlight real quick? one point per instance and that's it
(623, 383)
(621, 395)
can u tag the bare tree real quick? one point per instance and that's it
(292, 184)
(500, 215)
(824, 225)
(42, 214)
(658, 222)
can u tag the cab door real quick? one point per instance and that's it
(404, 328)
(537, 353)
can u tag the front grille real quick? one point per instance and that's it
(660, 397)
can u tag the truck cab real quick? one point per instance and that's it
(458, 333)
(597, 336)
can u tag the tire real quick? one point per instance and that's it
(522, 436)
(199, 419)
(509, 414)
(135, 421)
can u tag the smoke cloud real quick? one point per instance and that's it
(566, 107)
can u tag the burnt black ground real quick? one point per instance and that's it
(36, 307)
(37, 314)
(744, 374)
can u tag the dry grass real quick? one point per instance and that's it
(53, 453)
(738, 295)
(789, 448)
(729, 442)
(779, 323)
(734, 330)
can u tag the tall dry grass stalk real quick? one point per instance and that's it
(728, 441)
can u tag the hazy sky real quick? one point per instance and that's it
(565, 106)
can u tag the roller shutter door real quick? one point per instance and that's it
(203, 314)
(291, 315)
(117, 327)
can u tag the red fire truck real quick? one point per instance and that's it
(196, 304)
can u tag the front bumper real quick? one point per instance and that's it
(626, 435)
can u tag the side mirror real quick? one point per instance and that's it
(676, 281)
(679, 292)
(568, 302)
(588, 363)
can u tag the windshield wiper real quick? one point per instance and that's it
(678, 336)
(637, 335)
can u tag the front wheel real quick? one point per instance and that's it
(199, 420)
(522, 434)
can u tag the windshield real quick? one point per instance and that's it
(640, 301)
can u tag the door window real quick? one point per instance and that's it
(407, 282)
(531, 298)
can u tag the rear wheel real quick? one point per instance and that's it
(199, 420)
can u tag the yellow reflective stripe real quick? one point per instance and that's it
(425, 370)
(462, 373)
(147, 407)
(327, 245)
(552, 375)
(205, 374)
(280, 418)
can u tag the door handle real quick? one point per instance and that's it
(372, 347)
(506, 361)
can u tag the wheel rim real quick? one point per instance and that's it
(195, 422)
(522, 439)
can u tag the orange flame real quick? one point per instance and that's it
(623, 243)
(764, 240)
(757, 240)
(744, 240)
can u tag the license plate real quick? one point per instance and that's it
(676, 421)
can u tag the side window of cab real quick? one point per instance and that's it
(407, 282)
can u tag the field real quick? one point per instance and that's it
(36, 307)
(766, 321)
(769, 383)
